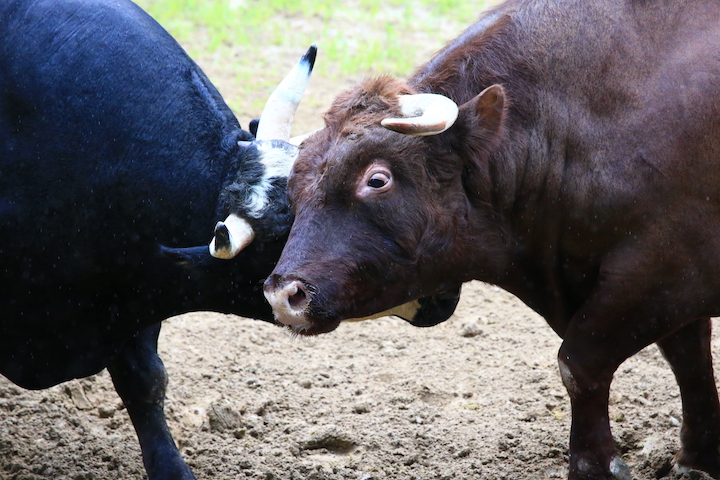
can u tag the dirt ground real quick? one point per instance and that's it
(478, 397)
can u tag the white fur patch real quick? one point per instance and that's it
(277, 157)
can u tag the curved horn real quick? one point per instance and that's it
(231, 236)
(277, 116)
(429, 114)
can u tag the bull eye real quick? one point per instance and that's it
(378, 180)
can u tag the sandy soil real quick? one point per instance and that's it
(478, 397)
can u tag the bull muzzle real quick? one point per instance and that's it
(291, 300)
(231, 236)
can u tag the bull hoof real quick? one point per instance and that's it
(705, 461)
(616, 470)
(619, 469)
(681, 471)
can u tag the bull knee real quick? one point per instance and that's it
(582, 377)
(567, 378)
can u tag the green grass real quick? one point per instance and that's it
(246, 46)
(376, 42)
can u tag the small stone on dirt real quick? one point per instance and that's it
(471, 329)
(331, 439)
(223, 416)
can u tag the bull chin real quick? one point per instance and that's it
(309, 322)
(314, 328)
(423, 312)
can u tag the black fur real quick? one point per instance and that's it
(112, 143)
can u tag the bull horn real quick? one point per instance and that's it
(428, 114)
(231, 236)
(277, 116)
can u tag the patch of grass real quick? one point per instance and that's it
(246, 46)
(376, 41)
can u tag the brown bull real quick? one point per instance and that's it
(570, 155)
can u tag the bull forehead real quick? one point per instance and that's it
(365, 105)
(338, 162)
(352, 130)
(276, 157)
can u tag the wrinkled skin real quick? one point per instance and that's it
(581, 175)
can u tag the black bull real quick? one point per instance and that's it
(571, 155)
(117, 158)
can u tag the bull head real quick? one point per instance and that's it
(272, 141)
(382, 219)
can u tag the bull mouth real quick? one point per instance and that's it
(313, 328)
(424, 312)
(309, 321)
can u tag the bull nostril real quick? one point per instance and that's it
(297, 296)
(288, 298)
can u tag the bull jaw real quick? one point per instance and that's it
(302, 325)
(406, 311)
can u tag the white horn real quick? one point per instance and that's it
(428, 114)
(231, 236)
(277, 116)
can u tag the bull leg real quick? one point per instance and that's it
(140, 379)
(601, 336)
(587, 378)
(688, 352)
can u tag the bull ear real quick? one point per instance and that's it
(488, 108)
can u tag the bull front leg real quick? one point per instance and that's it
(612, 326)
(140, 379)
(690, 357)
(592, 451)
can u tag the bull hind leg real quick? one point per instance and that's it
(690, 357)
(140, 379)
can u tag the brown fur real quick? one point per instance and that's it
(587, 183)
(365, 105)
